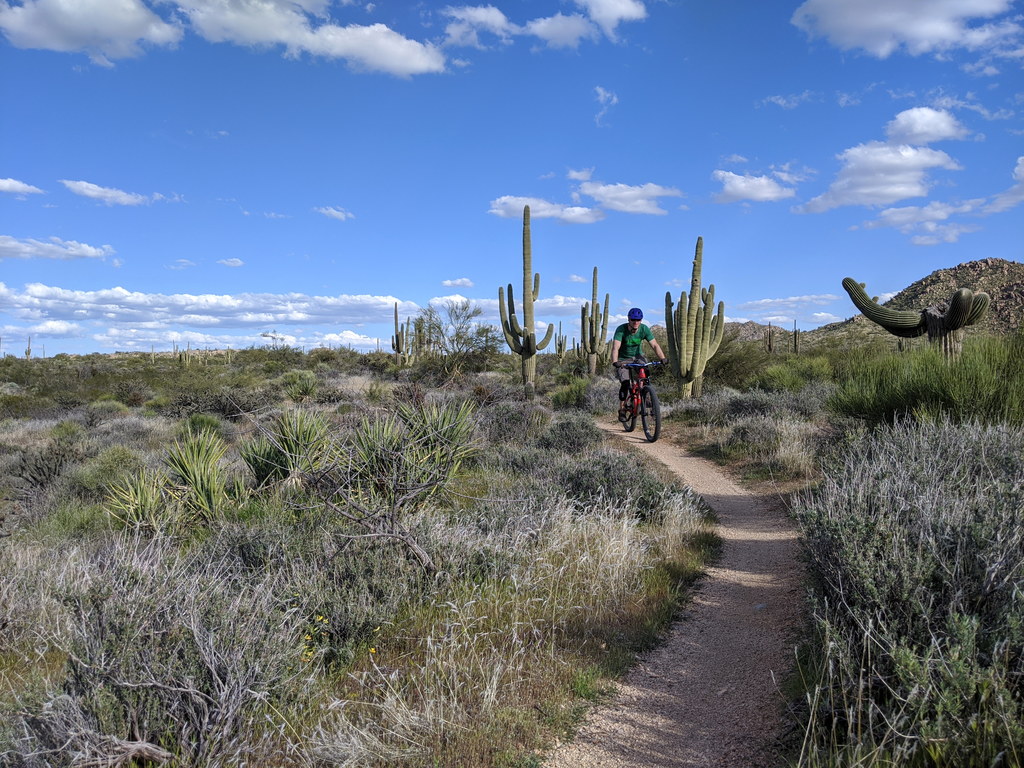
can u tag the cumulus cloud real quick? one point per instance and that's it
(582, 174)
(16, 187)
(790, 101)
(54, 248)
(790, 302)
(461, 282)
(924, 125)
(106, 195)
(1012, 197)
(335, 213)
(560, 31)
(629, 199)
(928, 224)
(881, 27)
(577, 279)
(823, 318)
(876, 173)
(608, 14)
(231, 262)
(746, 187)
(511, 207)
(468, 21)
(103, 29)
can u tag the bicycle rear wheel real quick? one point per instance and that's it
(650, 414)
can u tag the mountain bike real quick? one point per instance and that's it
(642, 401)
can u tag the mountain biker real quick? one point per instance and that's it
(628, 343)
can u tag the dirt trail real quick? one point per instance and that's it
(708, 695)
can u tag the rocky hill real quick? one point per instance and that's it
(1003, 280)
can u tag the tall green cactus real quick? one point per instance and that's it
(522, 339)
(694, 333)
(561, 342)
(594, 328)
(402, 342)
(944, 322)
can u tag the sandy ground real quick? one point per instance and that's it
(709, 695)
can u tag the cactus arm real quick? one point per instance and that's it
(511, 337)
(547, 337)
(979, 307)
(960, 305)
(907, 324)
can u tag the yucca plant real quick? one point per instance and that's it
(141, 502)
(296, 443)
(197, 479)
(300, 385)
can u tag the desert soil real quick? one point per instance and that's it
(709, 695)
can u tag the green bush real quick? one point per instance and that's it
(794, 373)
(92, 480)
(985, 384)
(572, 395)
(915, 539)
(571, 433)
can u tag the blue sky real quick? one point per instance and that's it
(211, 171)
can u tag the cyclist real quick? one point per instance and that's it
(628, 343)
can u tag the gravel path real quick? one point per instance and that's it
(708, 695)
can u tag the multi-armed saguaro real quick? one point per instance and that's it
(944, 323)
(522, 339)
(694, 334)
(594, 328)
(402, 341)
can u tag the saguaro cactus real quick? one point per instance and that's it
(944, 323)
(402, 341)
(694, 333)
(594, 328)
(522, 338)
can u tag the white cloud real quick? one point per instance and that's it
(791, 101)
(758, 188)
(231, 262)
(54, 248)
(929, 224)
(16, 187)
(560, 31)
(923, 125)
(734, 159)
(790, 302)
(577, 279)
(335, 213)
(583, 174)
(104, 29)
(876, 173)
(461, 282)
(607, 100)
(55, 329)
(106, 195)
(1012, 197)
(825, 317)
(511, 207)
(469, 21)
(117, 307)
(629, 199)
(881, 27)
(179, 264)
(608, 14)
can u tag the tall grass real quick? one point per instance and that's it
(985, 384)
(915, 545)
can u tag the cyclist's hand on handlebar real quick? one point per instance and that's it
(618, 364)
(663, 361)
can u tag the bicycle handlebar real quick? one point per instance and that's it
(641, 365)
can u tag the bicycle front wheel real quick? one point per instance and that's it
(650, 414)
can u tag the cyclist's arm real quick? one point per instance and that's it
(615, 350)
(657, 348)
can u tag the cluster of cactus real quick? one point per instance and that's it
(944, 323)
(694, 331)
(561, 344)
(411, 340)
(522, 337)
(594, 328)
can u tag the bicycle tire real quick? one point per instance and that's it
(650, 414)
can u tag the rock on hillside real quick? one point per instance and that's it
(1003, 280)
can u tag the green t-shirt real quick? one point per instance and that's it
(632, 343)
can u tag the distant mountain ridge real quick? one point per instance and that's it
(1001, 279)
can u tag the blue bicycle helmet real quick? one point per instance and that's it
(636, 314)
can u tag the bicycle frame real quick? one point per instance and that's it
(642, 401)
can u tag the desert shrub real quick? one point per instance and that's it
(300, 385)
(604, 474)
(915, 541)
(103, 410)
(132, 392)
(296, 441)
(571, 395)
(780, 445)
(202, 422)
(506, 421)
(28, 406)
(570, 433)
(38, 467)
(986, 384)
(736, 363)
(92, 480)
(794, 373)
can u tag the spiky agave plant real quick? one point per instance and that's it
(197, 479)
(141, 502)
(296, 443)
